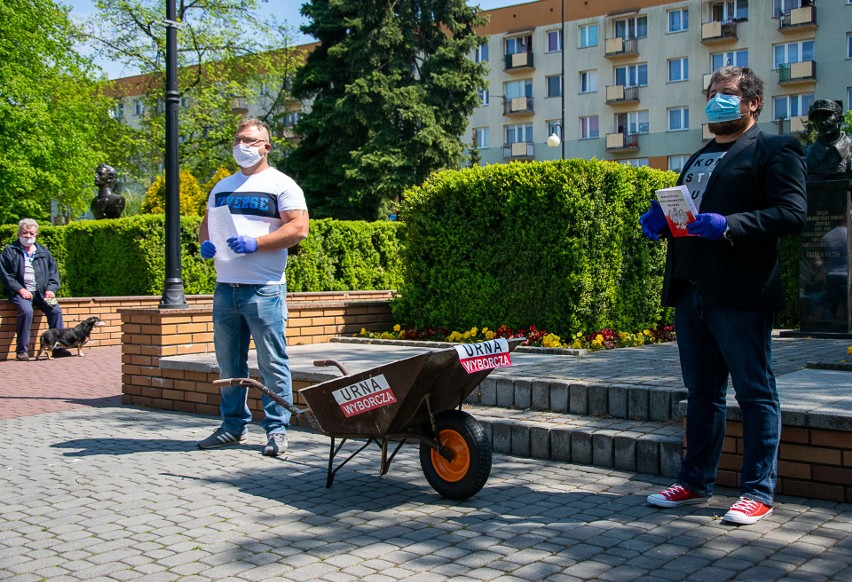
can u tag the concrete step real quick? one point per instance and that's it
(652, 447)
(624, 401)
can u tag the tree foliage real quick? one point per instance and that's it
(391, 87)
(54, 122)
(226, 57)
(193, 199)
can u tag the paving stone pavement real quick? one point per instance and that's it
(93, 490)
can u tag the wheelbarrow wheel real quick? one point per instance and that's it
(467, 473)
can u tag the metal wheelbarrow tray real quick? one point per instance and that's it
(417, 398)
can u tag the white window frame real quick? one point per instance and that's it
(521, 133)
(139, 107)
(677, 162)
(583, 40)
(849, 48)
(589, 81)
(555, 126)
(480, 54)
(482, 136)
(683, 69)
(729, 56)
(559, 43)
(586, 130)
(636, 122)
(727, 10)
(519, 88)
(631, 27)
(484, 97)
(802, 102)
(682, 114)
(632, 74)
(683, 20)
(635, 162)
(782, 7)
(548, 86)
(799, 52)
(518, 44)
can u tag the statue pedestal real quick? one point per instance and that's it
(825, 303)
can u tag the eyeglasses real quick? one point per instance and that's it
(247, 141)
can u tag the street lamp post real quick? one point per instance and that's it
(173, 296)
(557, 140)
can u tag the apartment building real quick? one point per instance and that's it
(635, 72)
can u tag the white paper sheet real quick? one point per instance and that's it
(220, 226)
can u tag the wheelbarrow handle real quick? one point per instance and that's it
(252, 383)
(322, 363)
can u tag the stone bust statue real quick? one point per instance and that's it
(830, 156)
(106, 204)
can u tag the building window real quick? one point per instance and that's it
(291, 118)
(678, 118)
(555, 126)
(729, 10)
(118, 112)
(518, 44)
(632, 123)
(782, 7)
(554, 86)
(139, 107)
(519, 133)
(588, 81)
(522, 88)
(632, 75)
(635, 162)
(480, 138)
(678, 20)
(679, 69)
(481, 55)
(793, 52)
(588, 35)
(730, 58)
(483, 97)
(589, 127)
(630, 28)
(849, 45)
(787, 106)
(554, 41)
(676, 163)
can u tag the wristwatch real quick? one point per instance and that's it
(728, 235)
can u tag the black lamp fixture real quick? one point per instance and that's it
(555, 140)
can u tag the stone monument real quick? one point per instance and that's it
(825, 303)
(106, 204)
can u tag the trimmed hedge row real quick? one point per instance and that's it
(126, 256)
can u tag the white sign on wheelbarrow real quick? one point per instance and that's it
(364, 396)
(484, 355)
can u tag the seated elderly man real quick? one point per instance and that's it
(30, 279)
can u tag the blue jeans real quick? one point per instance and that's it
(714, 342)
(241, 313)
(25, 318)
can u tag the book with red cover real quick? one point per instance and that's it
(678, 207)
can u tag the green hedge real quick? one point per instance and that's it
(126, 256)
(554, 244)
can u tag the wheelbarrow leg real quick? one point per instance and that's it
(332, 452)
(386, 460)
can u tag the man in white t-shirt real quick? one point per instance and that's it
(270, 215)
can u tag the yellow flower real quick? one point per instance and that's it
(489, 335)
(849, 350)
(484, 330)
(466, 335)
(363, 331)
(397, 327)
(473, 331)
(576, 345)
(599, 338)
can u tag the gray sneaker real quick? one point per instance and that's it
(222, 438)
(276, 445)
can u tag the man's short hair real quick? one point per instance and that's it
(750, 85)
(27, 223)
(253, 122)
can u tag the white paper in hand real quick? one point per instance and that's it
(220, 226)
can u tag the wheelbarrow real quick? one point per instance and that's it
(417, 398)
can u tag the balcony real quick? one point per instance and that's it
(803, 18)
(617, 48)
(622, 142)
(515, 106)
(718, 32)
(518, 151)
(792, 125)
(519, 62)
(803, 72)
(621, 95)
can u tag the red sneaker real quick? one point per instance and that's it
(675, 496)
(747, 511)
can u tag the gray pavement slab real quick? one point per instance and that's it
(120, 493)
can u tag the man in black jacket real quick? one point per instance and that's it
(725, 284)
(30, 279)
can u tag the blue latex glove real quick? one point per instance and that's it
(708, 225)
(208, 250)
(242, 244)
(653, 222)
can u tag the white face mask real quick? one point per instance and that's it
(247, 156)
(27, 241)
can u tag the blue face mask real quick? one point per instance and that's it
(723, 108)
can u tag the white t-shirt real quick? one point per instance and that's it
(256, 202)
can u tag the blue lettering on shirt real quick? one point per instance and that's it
(249, 203)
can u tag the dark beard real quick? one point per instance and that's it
(729, 127)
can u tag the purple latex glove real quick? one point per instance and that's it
(708, 225)
(208, 250)
(242, 244)
(653, 222)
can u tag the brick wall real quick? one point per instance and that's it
(151, 334)
(75, 310)
(813, 462)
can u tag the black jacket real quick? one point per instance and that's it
(12, 269)
(759, 187)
